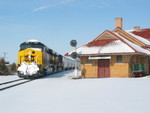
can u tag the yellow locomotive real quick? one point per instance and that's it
(35, 60)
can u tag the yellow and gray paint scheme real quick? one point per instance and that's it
(35, 60)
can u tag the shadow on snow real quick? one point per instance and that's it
(59, 74)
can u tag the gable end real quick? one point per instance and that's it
(106, 35)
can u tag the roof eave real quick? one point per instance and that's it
(103, 54)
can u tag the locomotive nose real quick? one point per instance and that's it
(29, 56)
(30, 52)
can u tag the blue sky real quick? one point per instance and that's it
(56, 22)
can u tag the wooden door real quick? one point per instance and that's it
(103, 68)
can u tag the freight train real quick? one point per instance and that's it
(36, 60)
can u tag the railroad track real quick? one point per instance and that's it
(5, 85)
(10, 81)
(17, 83)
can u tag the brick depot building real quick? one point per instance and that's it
(117, 53)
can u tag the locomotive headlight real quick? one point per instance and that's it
(20, 72)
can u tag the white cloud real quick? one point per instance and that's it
(43, 7)
(53, 5)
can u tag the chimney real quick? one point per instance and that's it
(118, 22)
(136, 28)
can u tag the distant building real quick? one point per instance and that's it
(117, 53)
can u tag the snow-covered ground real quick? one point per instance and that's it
(59, 94)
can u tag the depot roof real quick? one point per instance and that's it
(112, 42)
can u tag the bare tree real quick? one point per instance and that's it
(13, 68)
(3, 68)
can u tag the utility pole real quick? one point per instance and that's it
(4, 53)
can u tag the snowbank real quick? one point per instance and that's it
(58, 94)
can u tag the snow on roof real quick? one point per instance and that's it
(99, 42)
(32, 40)
(119, 45)
(116, 46)
(37, 49)
(136, 47)
(147, 42)
(145, 33)
(131, 30)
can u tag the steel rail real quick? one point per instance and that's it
(7, 87)
(10, 81)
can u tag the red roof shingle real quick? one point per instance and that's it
(145, 33)
(100, 42)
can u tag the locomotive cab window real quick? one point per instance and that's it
(31, 45)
